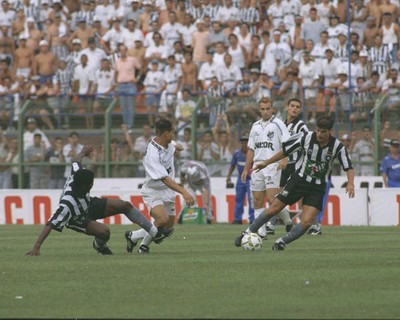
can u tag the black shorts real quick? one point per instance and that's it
(290, 168)
(297, 188)
(96, 210)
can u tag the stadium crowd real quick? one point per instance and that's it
(73, 57)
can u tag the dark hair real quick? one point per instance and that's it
(37, 135)
(374, 73)
(162, 126)
(83, 177)
(366, 128)
(187, 130)
(325, 122)
(296, 100)
(73, 133)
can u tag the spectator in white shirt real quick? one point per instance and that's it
(95, 55)
(229, 75)
(158, 52)
(103, 86)
(170, 31)
(113, 37)
(187, 30)
(208, 70)
(82, 83)
(132, 34)
(153, 86)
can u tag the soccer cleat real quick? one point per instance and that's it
(262, 236)
(162, 234)
(289, 227)
(105, 250)
(315, 230)
(129, 243)
(270, 228)
(143, 249)
(278, 246)
(238, 240)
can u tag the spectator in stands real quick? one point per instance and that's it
(361, 102)
(134, 11)
(138, 52)
(209, 151)
(132, 34)
(208, 70)
(55, 158)
(263, 86)
(390, 166)
(380, 57)
(219, 55)
(126, 79)
(370, 32)
(334, 29)
(237, 51)
(5, 158)
(94, 54)
(340, 86)
(140, 148)
(39, 177)
(103, 86)
(23, 59)
(171, 31)
(312, 28)
(198, 43)
(184, 110)
(359, 16)
(44, 64)
(229, 76)
(289, 88)
(57, 34)
(374, 85)
(391, 87)
(98, 30)
(146, 18)
(222, 130)
(113, 37)
(173, 81)
(390, 33)
(363, 154)
(216, 35)
(153, 86)
(186, 143)
(157, 51)
(189, 73)
(308, 80)
(70, 150)
(82, 88)
(364, 66)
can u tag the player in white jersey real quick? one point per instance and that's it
(159, 186)
(266, 137)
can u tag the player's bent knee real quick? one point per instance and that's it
(104, 233)
(127, 206)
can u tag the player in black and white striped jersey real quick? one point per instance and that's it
(79, 211)
(308, 182)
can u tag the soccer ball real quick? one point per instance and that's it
(251, 242)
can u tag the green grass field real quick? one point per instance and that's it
(348, 272)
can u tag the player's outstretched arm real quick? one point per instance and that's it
(85, 152)
(276, 157)
(36, 248)
(177, 188)
(249, 161)
(350, 183)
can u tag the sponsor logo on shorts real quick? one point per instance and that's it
(284, 193)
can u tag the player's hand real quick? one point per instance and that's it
(350, 190)
(243, 177)
(87, 150)
(283, 163)
(259, 166)
(188, 199)
(33, 252)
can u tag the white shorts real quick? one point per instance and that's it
(153, 198)
(267, 178)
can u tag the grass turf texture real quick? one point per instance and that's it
(348, 272)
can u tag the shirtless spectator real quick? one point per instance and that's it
(370, 32)
(23, 58)
(145, 17)
(98, 30)
(18, 25)
(373, 9)
(57, 34)
(58, 7)
(189, 73)
(83, 32)
(45, 63)
(388, 6)
(34, 34)
(138, 51)
(7, 43)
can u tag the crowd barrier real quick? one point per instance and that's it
(370, 207)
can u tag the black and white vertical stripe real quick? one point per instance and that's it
(316, 159)
(295, 127)
(250, 16)
(70, 205)
(196, 13)
(380, 58)
(212, 12)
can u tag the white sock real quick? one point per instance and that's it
(139, 234)
(262, 231)
(147, 240)
(285, 216)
